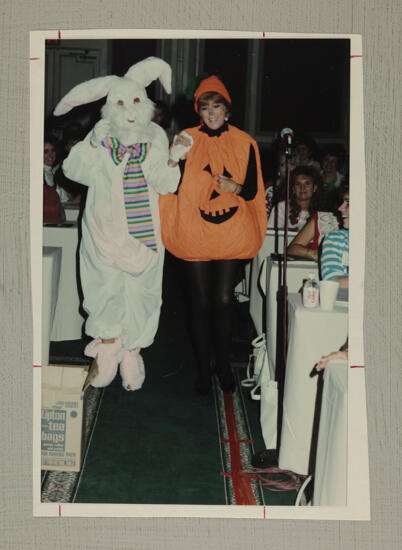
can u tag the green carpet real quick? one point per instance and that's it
(162, 444)
(147, 442)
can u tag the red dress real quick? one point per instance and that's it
(324, 222)
(52, 209)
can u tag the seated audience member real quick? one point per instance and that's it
(52, 209)
(163, 117)
(341, 354)
(304, 193)
(50, 166)
(307, 241)
(76, 192)
(332, 179)
(335, 248)
(276, 188)
(304, 149)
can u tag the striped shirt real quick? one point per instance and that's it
(335, 255)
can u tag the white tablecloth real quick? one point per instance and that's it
(295, 273)
(67, 321)
(51, 262)
(312, 333)
(330, 483)
(256, 295)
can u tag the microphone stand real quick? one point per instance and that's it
(282, 302)
(275, 207)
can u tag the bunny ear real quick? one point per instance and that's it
(148, 70)
(88, 91)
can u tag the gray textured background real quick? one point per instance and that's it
(379, 21)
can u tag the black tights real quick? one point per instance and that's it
(209, 292)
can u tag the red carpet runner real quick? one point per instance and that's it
(241, 485)
(236, 450)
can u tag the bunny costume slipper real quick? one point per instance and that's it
(132, 370)
(124, 163)
(106, 361)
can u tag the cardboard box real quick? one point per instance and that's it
(62, 417)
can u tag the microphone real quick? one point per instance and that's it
(287, 134)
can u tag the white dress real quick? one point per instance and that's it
(301, 221)
(121, 277)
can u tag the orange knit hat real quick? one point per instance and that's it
(211, 84)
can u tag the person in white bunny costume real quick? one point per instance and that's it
(126, 164)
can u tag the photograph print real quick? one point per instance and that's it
(194, 222)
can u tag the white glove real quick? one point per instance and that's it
(100, 131)
(178, 150)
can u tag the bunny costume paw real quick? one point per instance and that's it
(106, 361)
(132, 370)
(178, 151)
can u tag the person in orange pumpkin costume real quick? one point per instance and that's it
(216, 218)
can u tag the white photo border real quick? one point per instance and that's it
(358, 491)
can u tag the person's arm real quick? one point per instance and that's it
(343, 281)
(332, 268)
(298, 247)
(82, 163)
(162, 177)
(182, 143)
(249, 188)
(322, 363)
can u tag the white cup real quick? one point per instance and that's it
(328, 293)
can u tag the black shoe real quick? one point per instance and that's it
(265, 459)
(228, 387)
(227, 381)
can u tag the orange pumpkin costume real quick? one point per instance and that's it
(200, 223)
(212, 230)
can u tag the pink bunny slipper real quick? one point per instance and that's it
(106, 360)
(132, 370)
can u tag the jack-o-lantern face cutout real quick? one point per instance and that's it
(201, 223)
(218, 210)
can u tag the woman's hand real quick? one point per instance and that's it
(227, 185)
(322, 363)
(299, 245)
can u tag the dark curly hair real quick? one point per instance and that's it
(294, 208)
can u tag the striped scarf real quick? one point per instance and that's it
(135, 189)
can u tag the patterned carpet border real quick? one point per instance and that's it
(62, 486)
(245, 445)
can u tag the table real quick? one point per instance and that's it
(51, 262)
(312, 333)
(256, 295)
(330, 479)
(68, 321)
(296, 271)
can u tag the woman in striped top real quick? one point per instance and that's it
(335, 249)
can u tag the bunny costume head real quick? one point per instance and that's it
(127, 107)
